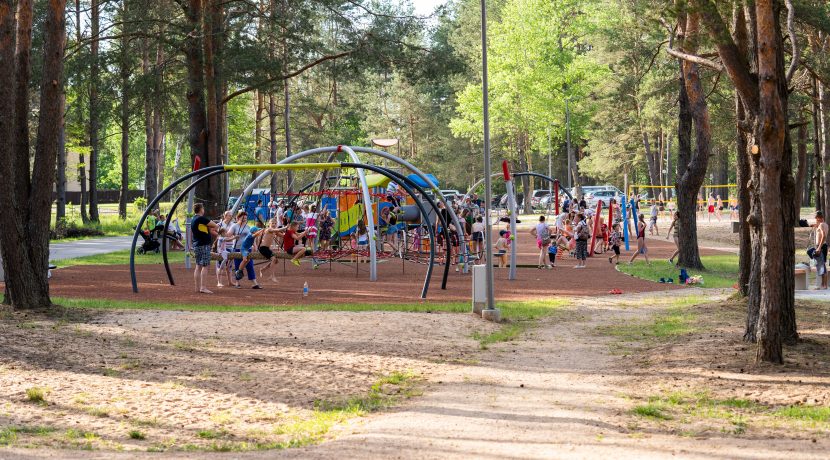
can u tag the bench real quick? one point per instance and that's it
(801, 279)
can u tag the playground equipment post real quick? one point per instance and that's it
(490, 311)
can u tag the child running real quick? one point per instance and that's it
(268, 239)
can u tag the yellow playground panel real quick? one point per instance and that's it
(669, 198)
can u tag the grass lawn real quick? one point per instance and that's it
(121, 258)
(721, 270)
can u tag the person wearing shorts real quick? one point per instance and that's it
(542, 234)
(821, 250)
(201, 229)
(477, 237)
(614, 244)
(581, 231)
(501, 249)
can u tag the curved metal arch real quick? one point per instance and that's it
(152, 204)
(412, 168)
(173, 211)
(406, 186)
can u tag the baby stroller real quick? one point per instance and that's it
(151, 240)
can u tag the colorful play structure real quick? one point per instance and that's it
(346, 199)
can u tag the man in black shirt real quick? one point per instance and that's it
(201, 228)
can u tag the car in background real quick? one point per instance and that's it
(536, 199)
(605, 196)
(451, 195)
(519, 200)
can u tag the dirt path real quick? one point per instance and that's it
(552, 394)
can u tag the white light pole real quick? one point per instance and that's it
(490, 310)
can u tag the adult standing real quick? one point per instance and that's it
(239, 232)
(673, 232)
(641, 241)
(821, 249)
(542, 234)
(583, 233)
(261, 212)
(202, 228)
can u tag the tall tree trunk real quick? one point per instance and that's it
(272, 138)
(824, 136)
(60, 173)
(94, 115)
(259, 104)
(79, 108)
(21, 122)
(23, 240)
(211, 30)
(801, 172)
(651, 160)
(287, 120)
(150, 173)
(124, 74)
(691, 166)
(817, 152)
(197, 118)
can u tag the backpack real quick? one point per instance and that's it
(582, 232)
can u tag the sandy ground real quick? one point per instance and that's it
(563, 390)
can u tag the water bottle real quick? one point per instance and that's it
(305, 289)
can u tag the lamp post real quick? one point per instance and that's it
(489, 311)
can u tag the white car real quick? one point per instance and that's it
(605, 196)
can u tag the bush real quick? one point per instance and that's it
(140, 203)
(65, 229)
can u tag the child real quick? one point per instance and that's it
(477, 237)
(501, 248)
(362, 237)
(326, 224)
(289, 243)
(223, 246)
(268, 238)
(246, 248)
(614, 243)
(553, 249)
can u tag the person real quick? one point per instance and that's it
(710, 206)
(583, 232)
(268, 238)
(201, 228)
(614, 244)
(553, 249)
(477, 237)
(290, 240)
(361, 236)
(652, 226)
(261, 212)
(542, 234)
(566, 205)
(239, 232)
(821, 249)
(718, 207)
(501, 249)
(582, 203)
(673, 232)
(246, 249)
(641, 241)
(326, 224)
(223, 247)
(281, 213)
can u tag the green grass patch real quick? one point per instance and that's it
(651, 411)
(518, 317)
(122, 257)
(806, 413)
(36, 395)
(9, 434)
(721, 270)
(135, 434)
(676, 321)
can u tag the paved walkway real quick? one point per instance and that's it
(93, 246)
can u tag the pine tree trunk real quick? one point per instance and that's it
(801, 172)
(23, 69)
(743, 177)
(124, 74)
(272, 138)
(60, 173)
(197, 118)
(94, 115)
(818, 165)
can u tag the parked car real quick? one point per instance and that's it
(605, 196)
(536, 199)
(519, 200)
(451, 194)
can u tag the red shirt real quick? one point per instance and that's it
(288, 241)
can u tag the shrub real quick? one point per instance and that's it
(36, 394)
(140, 203)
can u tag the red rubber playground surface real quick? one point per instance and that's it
(339, 283)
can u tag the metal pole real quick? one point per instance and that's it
(568, 141)
(550, 165)
(488, 235)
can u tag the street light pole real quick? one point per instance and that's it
(488, 238)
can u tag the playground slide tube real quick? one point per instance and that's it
(151, 205)
(400, 178)
(172, 212)
(406, 186)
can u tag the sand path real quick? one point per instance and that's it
(551, 394)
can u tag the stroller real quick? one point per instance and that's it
(151, 240)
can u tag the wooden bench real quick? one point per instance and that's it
(801, 279)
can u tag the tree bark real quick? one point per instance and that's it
(272, 138)
(150, 173)
(22, 57)
(824, 136)
(124, 74)
(817, 152)
(259, 107)
(691, 166)
(94, 110)
(197, 118)
(801, 172)
(210, 42)
(60, 173)
(80, 110)
(23, 241)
